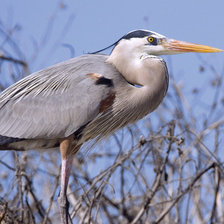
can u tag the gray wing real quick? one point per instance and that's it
(54, 102)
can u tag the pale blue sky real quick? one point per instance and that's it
(98, 23)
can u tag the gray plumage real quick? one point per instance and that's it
(57, 101)
(54, 102)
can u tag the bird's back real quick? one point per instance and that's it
(57, 101)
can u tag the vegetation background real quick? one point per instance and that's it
(166, 168)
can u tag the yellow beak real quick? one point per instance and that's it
(176, 46)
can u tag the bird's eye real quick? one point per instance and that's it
(150, 39)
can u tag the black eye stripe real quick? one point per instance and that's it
(137, 34)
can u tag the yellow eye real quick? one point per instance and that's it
(150, 39)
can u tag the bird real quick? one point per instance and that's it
(88, 97)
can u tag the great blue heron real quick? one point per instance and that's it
(88, 97)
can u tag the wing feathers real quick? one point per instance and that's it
(54, 102)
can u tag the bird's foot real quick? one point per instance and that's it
(64, 206)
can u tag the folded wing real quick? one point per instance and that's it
(54, 102)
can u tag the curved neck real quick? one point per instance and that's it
(127, 62)
(138, 68)
(148, 71)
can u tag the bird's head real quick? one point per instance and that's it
(151, 43)
(130, 50)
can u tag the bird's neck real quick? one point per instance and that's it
(127, 63)
(150, 72)
(138, 68)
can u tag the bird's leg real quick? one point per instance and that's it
(67, 158)
(62, 199)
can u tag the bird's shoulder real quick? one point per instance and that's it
(76, 73)
(62, 98)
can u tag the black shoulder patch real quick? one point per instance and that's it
(137, 34)
(104, 81)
